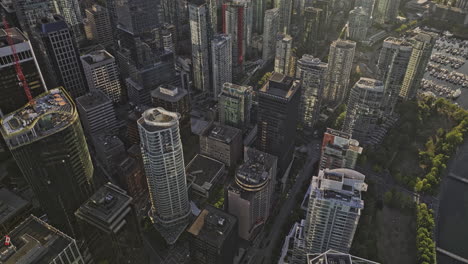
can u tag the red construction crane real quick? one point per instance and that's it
(19, 70)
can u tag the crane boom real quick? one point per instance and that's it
(19, 71)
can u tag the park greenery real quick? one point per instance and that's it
(217, 197)
(417, 150)
(424, 239)
(405, 27)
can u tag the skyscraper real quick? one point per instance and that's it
(270, 31)
(199, 28)
(311, 71)
(250, 196)
(135, 16)
(235, 25)
(111, 227)
(30, 12)
(313, 29)
(283, 54)
(339, 150)
(60, 56)
(173, 99)
(12, 93)
(363, 110)
(163, 158)
(98, 26)
(259, 8)
(422, 43)
(340, 64)
(358, 24)
(285, 7)
(278, 109)
(48, 144)
(367, 5)
(386, 11)
(463, 4)
(235, 104)
(70, 10)
(393, 64)
(221, 64)
(334, 210)
(223, 143)
(97, 113)
(102, 74)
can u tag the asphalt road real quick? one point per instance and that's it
(264, 255)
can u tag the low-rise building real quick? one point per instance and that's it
(203, 173)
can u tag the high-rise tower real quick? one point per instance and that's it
(283, 54)
(199, 22)
(235, 104)
(422, 43)
(221, 62)
(12, 93)
(363, 110)
(311, 71)
(48, 144)
(270, 31)
(235, 25)
(340, 64)
(163, 158)
(386, 11)
(102, 74)
(60, 56)
(334, 210)
(278, 111)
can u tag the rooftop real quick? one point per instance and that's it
(344, 44)
(34, 241)
(158, 118)
(92, 100)
(371, 84)
(15, 34)
(335, 257)
(341, 185)
(255, 172)
(204, 170)
(280, 85)
(169, 93)
(10, 204)
(51, 112)
(96, 57)
(341, 140)
(53, 24)
(222, 133)
(213, 226)
(105, 205)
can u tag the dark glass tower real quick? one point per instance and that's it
(111, 227)
(59, 54)
(12, 94)
(48, 144)
(278, 111)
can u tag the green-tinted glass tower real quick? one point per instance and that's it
(48, 144)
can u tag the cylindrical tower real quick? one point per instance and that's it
(163, 158)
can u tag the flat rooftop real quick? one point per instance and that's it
(15, 34)
(93, 100)
(254, 173)
(97, 57)
(280, 85)
(35, 242)
(371, 84)
(204, 169)
(213, 226)
(50, 112)
(169, 93)
(104, 205)
(222, 133)
(10, 204)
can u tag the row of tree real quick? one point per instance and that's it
(424, 235)
(440, 147)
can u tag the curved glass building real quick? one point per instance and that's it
(163, 158)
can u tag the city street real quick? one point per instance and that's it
(271, 239)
